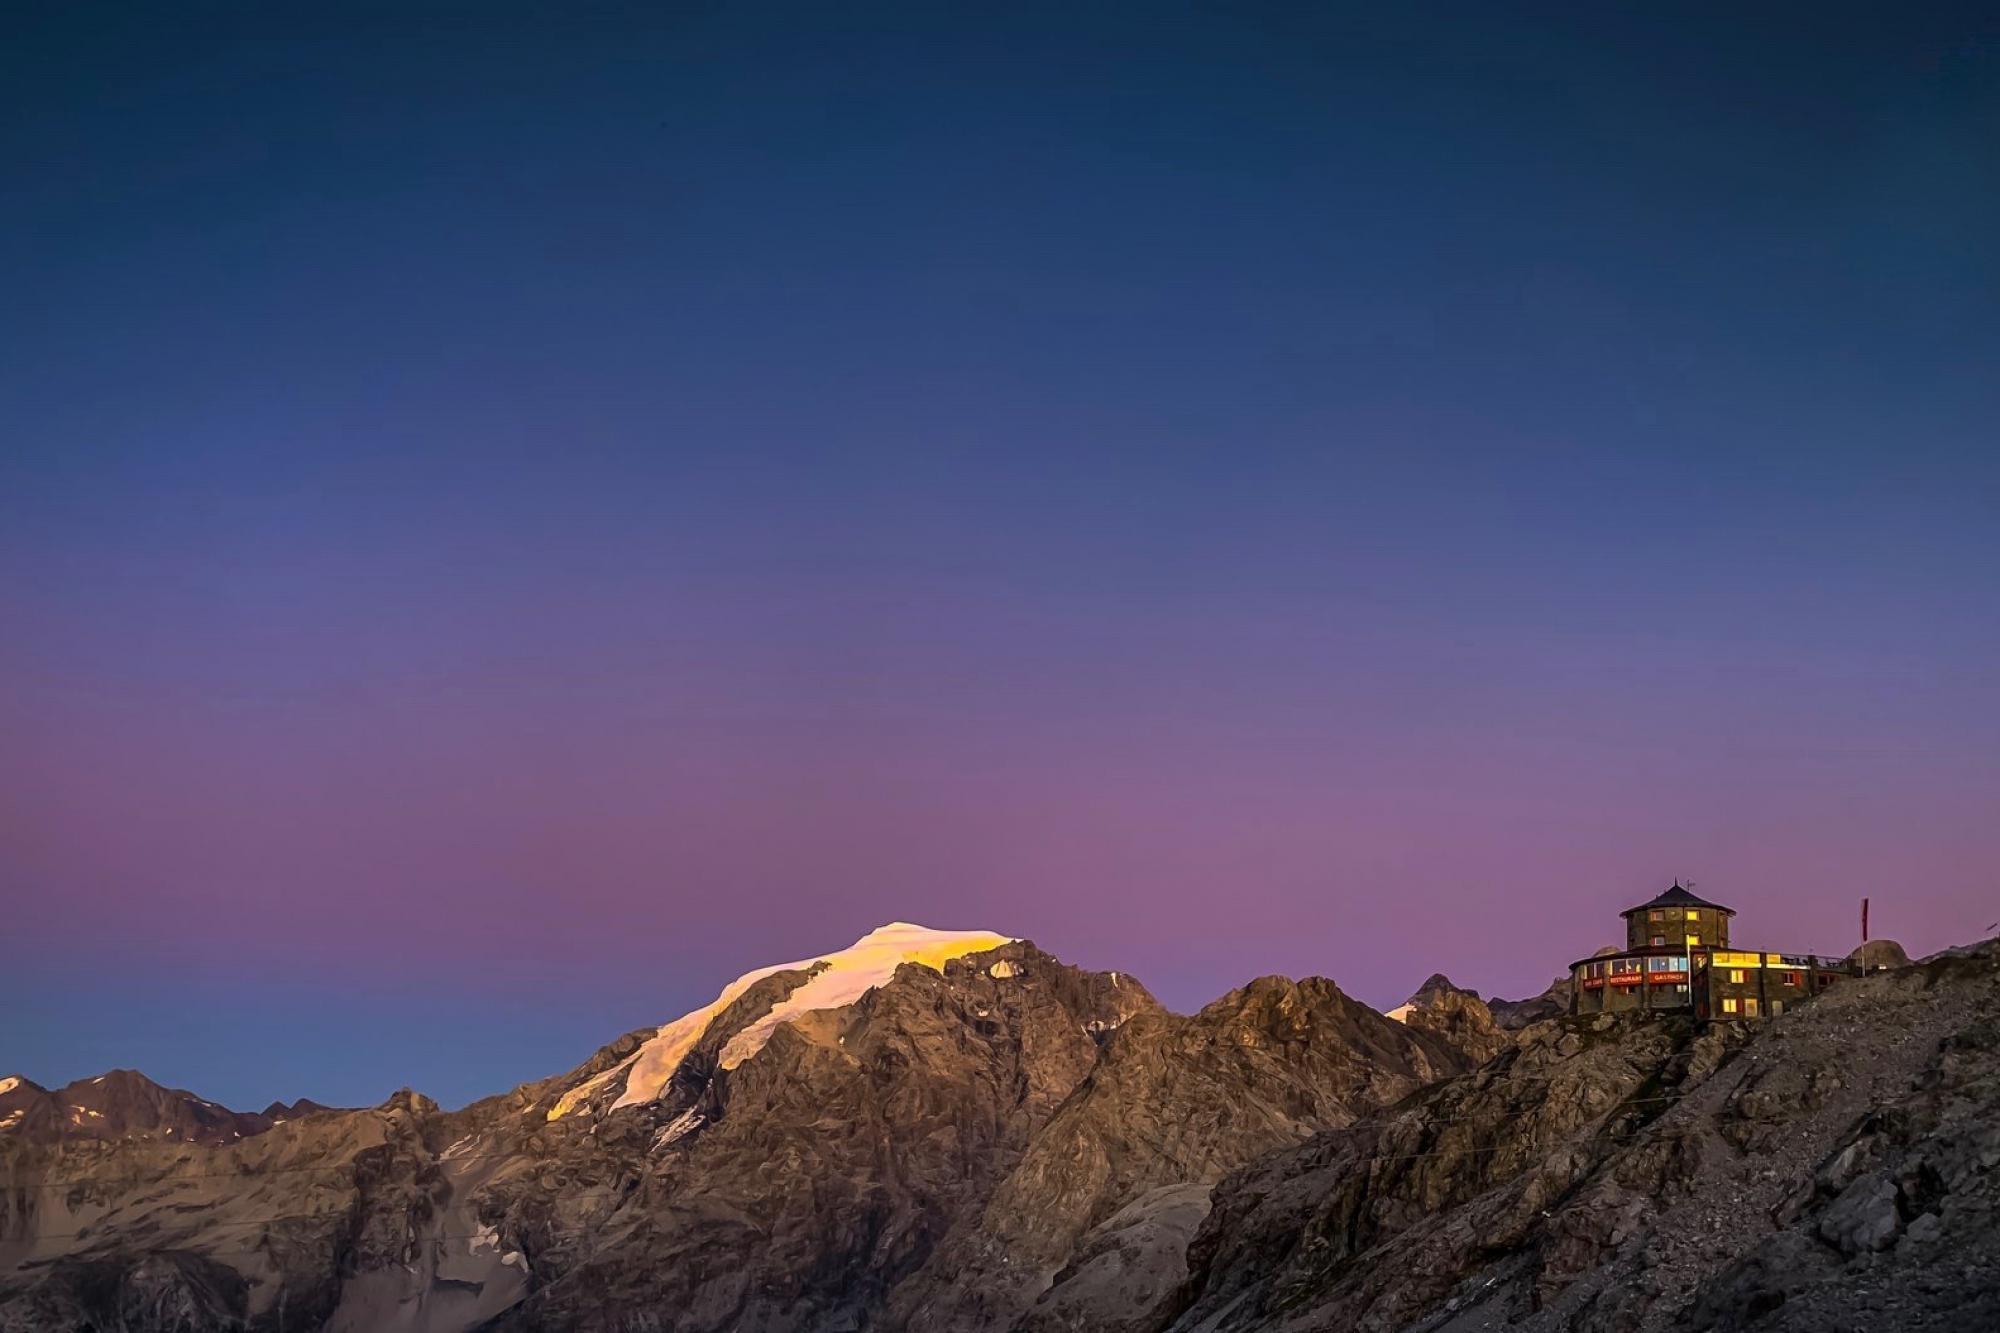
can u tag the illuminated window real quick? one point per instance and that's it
(1736, 975)
(1659, 915)
(1694, 939)
(1729, 1006)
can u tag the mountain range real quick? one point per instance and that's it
(945, 1130)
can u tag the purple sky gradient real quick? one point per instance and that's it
(495, 545)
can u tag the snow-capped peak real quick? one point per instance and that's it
(8, 1084)
(842, 978)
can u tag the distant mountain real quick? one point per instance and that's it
(120, 1105)
(1514, 1015)
(1454, 1015)
(953, 1130)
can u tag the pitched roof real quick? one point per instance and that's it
(1680, 897)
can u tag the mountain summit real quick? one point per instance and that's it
(783, 992)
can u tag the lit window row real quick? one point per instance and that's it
(1621, 967)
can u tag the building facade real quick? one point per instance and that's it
(1678, 955)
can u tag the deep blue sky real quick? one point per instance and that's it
(510, 516)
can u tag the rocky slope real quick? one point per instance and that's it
(1836, 1168)
(1089, 1230)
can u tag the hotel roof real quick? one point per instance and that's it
(1679, 897)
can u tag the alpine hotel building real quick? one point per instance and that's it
(1677, 956)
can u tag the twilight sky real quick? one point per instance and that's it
(509, 519)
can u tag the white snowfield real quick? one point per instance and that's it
(847, 975)
(8, 1084)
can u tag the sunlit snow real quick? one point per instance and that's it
(845, 978)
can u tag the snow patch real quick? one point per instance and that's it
(1003, 968)
(569, 1100)
(8, 1084)
(687, 1123)
(1401, 1013)
(843, 978)
(7, 1121)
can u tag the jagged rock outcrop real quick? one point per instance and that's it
(1454, 1015)
(1838, 1167)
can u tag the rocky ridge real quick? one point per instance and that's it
(944, 1132)
(120, 1105)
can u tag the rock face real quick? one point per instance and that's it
(959, 1132)
(1836, 1168)
(1089, 1227)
